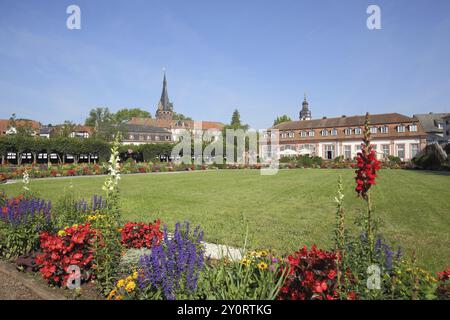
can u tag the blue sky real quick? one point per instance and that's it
(258, 56)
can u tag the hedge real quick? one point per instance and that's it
(74, 146)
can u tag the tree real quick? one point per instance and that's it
(98, 116)
(21, 127)
(283, 118)
(103, 122)
(180, 116)
(66, 129)
(124, 115)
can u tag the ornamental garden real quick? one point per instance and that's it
(347, 240)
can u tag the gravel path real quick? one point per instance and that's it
(11, 289)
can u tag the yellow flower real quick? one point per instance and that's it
(112, 294)
(120, 283)
(264, 253)
(246, 262)
(135, 275)
(130, 286)
(75, 226)
(119, 298)
(262, 265)
(61, 233)
(129, 279)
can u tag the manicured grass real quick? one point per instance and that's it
(284, 211)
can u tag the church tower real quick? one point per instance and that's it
(165, 107)
(305, 113)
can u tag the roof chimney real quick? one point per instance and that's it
(343, 116)
(324, 117)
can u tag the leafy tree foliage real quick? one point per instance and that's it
(180, 116)
(283, 118)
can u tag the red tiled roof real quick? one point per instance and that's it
(170, 124)
(4, 124)
(384, 118)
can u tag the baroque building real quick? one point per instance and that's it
(392, 134)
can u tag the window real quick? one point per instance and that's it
(347, 152)
(303, 133)
(11, 156)
(308, 149)
(357, 130)
(334, 132)
(156, 137)
(401, 128)
(348, 131)
(373, 130)
(440, 126)
(324, 133)
(167, 137)
(283, 135)
(131, 137)
(413, 128)
(385, 150)
(384, 129)
(414, 149)
(311, 133)
(401, 151)
(291, 134)
(329, 151)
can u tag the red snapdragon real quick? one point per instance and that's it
(367, 164)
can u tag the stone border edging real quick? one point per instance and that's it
(38, 289)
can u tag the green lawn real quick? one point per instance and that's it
(285, 211)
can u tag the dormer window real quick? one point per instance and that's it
(348, 131)
(283, 135)
(413, 128)
(384, 129)
(324, 133)
(334, 132)
(291, 134)
(303, 134)
(357, 130)
(311, 133)
(401, 128)
(373, 130)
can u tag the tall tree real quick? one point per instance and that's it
(283, 118)
(236, 122)
(124, 115)
(103, 122)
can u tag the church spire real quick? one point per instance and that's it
(164, 95)
(305, 113)
(165, 107)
